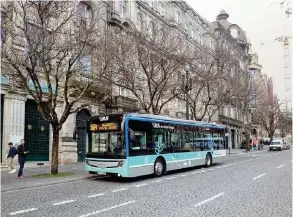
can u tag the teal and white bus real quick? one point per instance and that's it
(131, 144)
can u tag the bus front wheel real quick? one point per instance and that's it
(159, 167)
(209, 160)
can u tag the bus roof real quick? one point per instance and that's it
(167, 118)
(162, 118)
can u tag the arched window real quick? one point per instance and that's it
(139, 21)
(123, 8)
(84, 12)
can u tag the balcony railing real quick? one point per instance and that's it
(228, 120)
(125, 102)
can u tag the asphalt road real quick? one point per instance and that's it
(255, 184)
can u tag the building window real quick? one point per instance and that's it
(3, 21)
(200, 39)
(211, 44)
(84, 13)
(151, 3)
(177, 16)
(85, 64)
(162, 9)
(139, 21)
(192, 34)
(152, 29)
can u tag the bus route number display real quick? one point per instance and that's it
(104, 126)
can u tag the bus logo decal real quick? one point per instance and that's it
(159, 147)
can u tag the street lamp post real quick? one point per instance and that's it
(187, 88)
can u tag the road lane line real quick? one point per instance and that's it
(208, 200)
(158, 180)
(117, 190)
(96, 195)
(280, 166)
(108, 209)
(210, 169)
(63, 202)
(183, 175)
(174, 177)
(140, 185)
(23, 211)
(259, 176)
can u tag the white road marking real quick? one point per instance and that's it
(144, 184)
(96, 195)
(109, 208)
(174, 177)
(208, 200)
(117, 190)
(259, 176)
(210, 169)
(63, 202)
(280, 166)
(183, 175)
(158, 180)
(23, 211)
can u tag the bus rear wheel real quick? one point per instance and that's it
(159, 167)
(209, 160)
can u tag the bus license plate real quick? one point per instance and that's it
(101, 173)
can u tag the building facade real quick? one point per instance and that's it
(232, 115)
(259, 91)
(20, 118)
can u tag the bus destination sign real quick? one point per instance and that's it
(104, 126)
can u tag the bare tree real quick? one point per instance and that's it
(212, 81)
(269, 115)
(148, 64)
(58, 45)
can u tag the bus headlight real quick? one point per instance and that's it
(120, 163)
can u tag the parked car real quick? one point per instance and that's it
(276, 145)
(266, 142)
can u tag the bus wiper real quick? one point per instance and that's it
(111, 154)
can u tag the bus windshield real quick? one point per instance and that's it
(108, 143)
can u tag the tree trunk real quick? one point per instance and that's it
(55, 150)
(247, 138)
(271, 135)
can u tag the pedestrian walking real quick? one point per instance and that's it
(10, 157)
(22, 152)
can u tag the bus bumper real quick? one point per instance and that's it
(120, 171)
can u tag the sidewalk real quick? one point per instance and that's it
(11, 182)
(238, 151)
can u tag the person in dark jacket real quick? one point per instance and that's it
(22, 152)
(10, 157)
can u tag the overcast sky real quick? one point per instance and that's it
(263, 21)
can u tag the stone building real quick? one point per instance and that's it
(259, 90)
(20, 118)
(230, 115)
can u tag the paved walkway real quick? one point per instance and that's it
(12, 182)
(243, 151)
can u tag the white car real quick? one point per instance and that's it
(276, 145)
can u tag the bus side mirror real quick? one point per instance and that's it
(74, 134)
